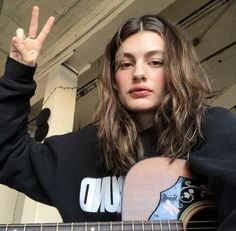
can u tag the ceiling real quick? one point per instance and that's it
(83, 28)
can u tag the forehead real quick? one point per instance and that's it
(142, 42)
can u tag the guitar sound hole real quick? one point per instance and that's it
(205, 219)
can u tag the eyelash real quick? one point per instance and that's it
(127, 64)
(156, 63)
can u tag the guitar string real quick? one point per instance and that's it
(143, 223)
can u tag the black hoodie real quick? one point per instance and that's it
(57, 171)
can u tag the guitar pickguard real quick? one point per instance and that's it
(185, 195)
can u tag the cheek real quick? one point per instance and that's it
(117, 81)
(120, 82)
(160, 79)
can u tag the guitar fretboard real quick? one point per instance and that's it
(98, 226)
(106, 226)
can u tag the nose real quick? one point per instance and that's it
(139, 72)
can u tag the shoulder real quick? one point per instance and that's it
(219, 120)
(220, 117)
(217, 112)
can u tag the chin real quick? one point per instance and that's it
(141, 106)
(143, 109)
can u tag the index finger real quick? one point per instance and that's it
(34, 22)
(46, 29)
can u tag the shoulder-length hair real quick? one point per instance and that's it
(178, 119)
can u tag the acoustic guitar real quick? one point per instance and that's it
(168, 196)
(157, 196)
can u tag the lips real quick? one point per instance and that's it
(139, 91)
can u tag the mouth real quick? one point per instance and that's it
(139, 91)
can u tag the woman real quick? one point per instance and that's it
(153, 102)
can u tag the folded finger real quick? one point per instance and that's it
(20, 34)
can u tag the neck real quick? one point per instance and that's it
(144, 120)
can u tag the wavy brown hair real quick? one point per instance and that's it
(180, 114)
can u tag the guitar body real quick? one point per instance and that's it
(155, 190)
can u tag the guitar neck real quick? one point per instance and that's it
(98, 226)
(106, 226)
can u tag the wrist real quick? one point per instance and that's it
(17, 70)
(21, 61)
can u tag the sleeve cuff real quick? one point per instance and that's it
(19, 71)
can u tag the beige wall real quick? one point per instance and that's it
(228, 99)
(8, 198)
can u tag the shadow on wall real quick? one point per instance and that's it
(1, 5)
(233, 109)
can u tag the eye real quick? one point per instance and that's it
(156, 63)
(125, 65)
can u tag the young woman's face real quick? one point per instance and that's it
(140, 76)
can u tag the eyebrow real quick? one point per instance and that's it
(149, 53)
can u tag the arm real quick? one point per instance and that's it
(216, 160)
(16, 88)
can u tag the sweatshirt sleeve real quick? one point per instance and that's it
(216, 160)
(24, 163)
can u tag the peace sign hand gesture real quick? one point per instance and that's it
(27, 49)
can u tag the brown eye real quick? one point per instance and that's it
(125, 65)
(156, 63)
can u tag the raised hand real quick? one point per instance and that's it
(27, 49)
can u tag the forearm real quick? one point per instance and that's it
(16, 88)
(17, 169)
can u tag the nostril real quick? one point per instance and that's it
(140, 76)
